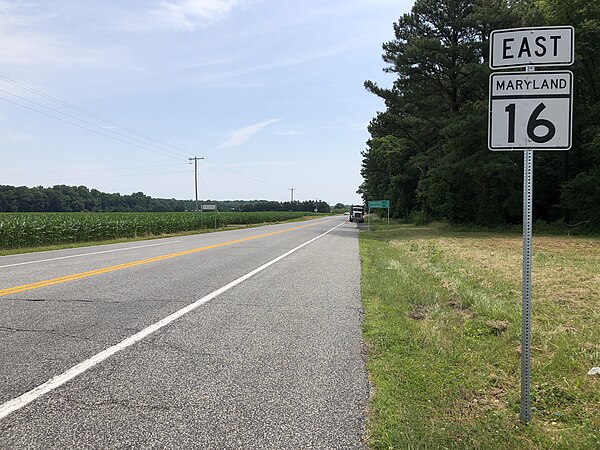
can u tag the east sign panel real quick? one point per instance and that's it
(542, 46)
(531, 110)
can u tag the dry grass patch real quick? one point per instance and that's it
(566, 270)
(455, 300)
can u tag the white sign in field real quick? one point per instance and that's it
(530, 110)
(540, 46)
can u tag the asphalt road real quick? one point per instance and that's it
(274, 361)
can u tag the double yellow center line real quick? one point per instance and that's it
(140, 262)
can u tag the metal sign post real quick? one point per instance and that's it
(530, 111)
(526, 286)
(526, 282)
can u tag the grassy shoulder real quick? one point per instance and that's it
(442, 323)
(146, 237)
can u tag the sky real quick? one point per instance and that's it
(118, 95)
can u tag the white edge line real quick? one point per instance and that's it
(86, 246)
(28, 397)
(85, 254)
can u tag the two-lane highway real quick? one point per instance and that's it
(240, 339)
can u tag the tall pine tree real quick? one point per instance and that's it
(428, 149)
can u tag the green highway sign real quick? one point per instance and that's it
(379, 204)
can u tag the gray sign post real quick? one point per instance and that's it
(526, 284)
(530, 111)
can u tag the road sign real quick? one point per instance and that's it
(540, 46)
(531, 110)
(379, 204)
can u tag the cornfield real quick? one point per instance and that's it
(21, 230)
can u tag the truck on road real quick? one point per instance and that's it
(357, 213)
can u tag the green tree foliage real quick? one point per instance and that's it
(63, 198)
(428, 149)
(580, 189)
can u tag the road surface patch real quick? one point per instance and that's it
(30, 396)
(91, 273)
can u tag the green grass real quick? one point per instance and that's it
(32, 231)
(442, 324)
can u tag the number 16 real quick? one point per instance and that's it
(532, 123)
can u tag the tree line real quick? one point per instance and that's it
(62, 198)
(427, 150)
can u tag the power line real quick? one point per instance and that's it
(243, 180)
(128, 175)
(90, 114)
(89, 129)
(84, 121)
(87, 170)
(121, 137)
(247, 176)
(205, 187)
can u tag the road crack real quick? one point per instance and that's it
(40, 330)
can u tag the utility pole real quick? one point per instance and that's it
(292, 200)
(195, 159)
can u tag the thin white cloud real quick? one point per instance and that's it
(238, 67)
(187, 15)
(289, 133)
(241, 135)
(29, 37)
(33, 49)
(16, 15)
